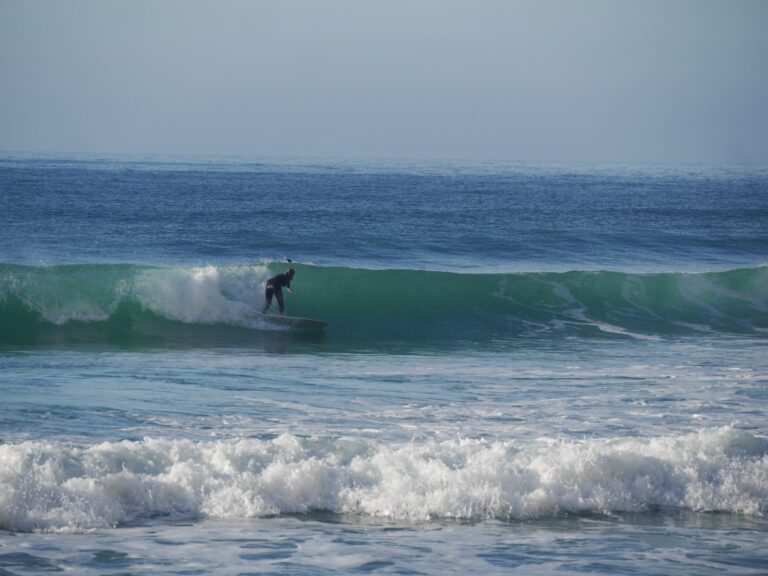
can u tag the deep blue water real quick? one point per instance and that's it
(533, 368)
(383, 215)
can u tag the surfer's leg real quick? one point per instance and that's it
(267, 299)
(279, 296)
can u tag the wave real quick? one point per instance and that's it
(132, 303)
(48, 485)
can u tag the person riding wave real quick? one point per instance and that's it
(275, 288)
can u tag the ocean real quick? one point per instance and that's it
(527, 368)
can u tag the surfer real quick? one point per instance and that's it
(275, 288)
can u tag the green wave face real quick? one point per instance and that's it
(141, 304)
(545, 304)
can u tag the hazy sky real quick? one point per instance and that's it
(640, 80)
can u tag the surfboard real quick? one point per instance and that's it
(295, 322)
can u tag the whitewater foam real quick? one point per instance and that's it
(205, 295)
(54, 486)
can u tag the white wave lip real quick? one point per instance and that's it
(201, 295)
(205, 295)
(53, 486)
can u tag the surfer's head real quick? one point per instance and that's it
(290, 272)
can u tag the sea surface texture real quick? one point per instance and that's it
(531, 369)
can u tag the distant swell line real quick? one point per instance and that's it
(138, 303)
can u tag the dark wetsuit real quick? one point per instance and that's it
(275, 288)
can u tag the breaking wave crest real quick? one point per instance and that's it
(49, 485)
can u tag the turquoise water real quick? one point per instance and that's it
(145, 305)
(531, 369)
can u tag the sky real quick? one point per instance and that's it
(508, 80)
